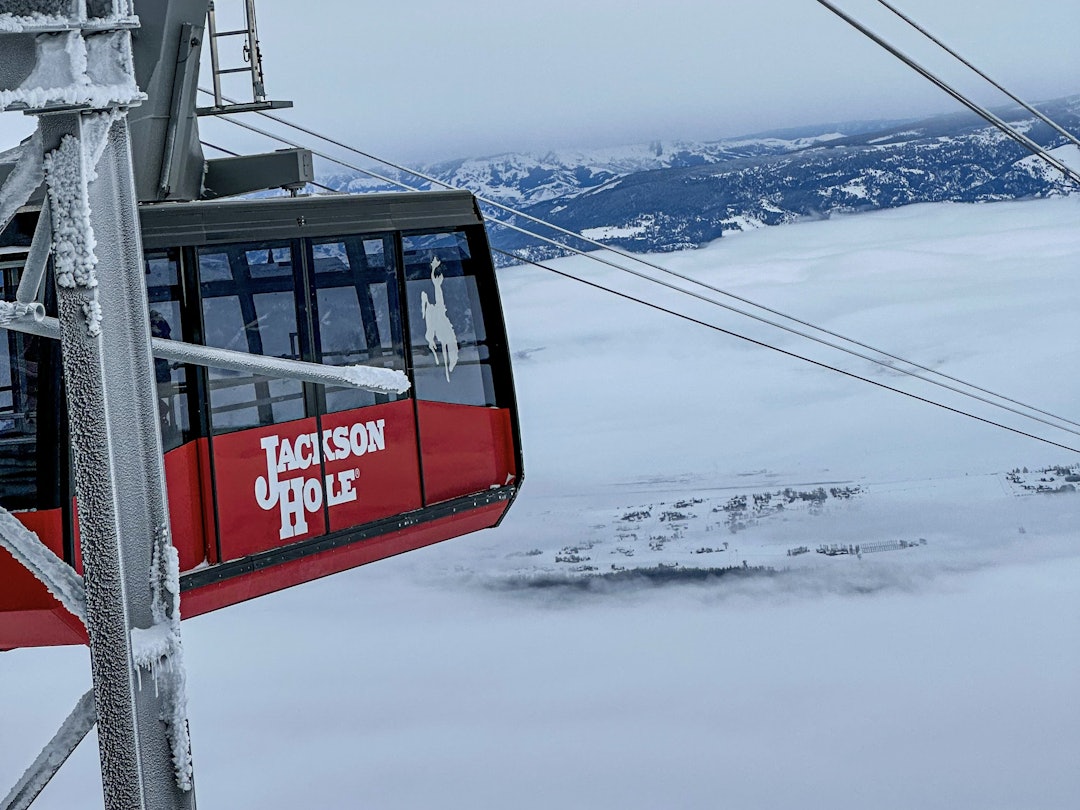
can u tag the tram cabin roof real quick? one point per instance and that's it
(167, 225)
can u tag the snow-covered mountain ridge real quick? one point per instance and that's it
(667, 196)
(526, 178)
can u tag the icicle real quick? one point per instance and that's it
(157, 649)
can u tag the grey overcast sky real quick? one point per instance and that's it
(425, 80)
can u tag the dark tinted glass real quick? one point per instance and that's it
(449, 348)
(31, 443)
(164, 293)
(249, 305)
(357, 317)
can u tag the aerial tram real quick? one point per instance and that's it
(271, 481)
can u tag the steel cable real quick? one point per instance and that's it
(982, 112)
(966, 63)
(791, 354)
(639, 260)
(706, 299)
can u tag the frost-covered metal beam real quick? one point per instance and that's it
(119, 480)
(56, 575)
(32, 281)
(368, 378)
(52, 756)
(69, 62)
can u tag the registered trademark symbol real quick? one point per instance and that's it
(356, 471)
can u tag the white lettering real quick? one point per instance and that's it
(286, 459)
(341, 441)
(300, 495)
(303, 460)
(312, 494)
(358, 439)
(345, 493)
(376, 439)
(293, 519)
(266, 489)
(327, 451)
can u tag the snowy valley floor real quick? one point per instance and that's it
(927, 656)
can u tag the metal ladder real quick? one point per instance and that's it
(252, 56)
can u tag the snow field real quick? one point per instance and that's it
(938, 676)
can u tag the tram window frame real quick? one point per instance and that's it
(175, 382)
(381, 328)
(429, 372)
(42, 441)
(270, 393)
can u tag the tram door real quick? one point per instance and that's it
(292, 461)
(187, 457)
(466, 438)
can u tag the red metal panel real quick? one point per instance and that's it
(52, 627)
(185, 503)
(29, 615)
(371, 471)
(261, 487)
(385, 477)
(271, 488)
(20, 590)
(466, 449)
(259, 583)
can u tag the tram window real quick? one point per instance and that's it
(21, 358)
(161, 270)
(214, 266)
(357, 317)
(450, 355)
(249, 305)
(163, 292)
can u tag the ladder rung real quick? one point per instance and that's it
(231, 33)
(234, 70)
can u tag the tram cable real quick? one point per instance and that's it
(640, 260)
(966, 63)
(829, 344)
(786, 352)
(979, 110)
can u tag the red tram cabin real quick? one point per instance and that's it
(274, 482)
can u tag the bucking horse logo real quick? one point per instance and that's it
(438, 323)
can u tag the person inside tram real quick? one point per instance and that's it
(159, 328)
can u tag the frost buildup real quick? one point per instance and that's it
(74, 70)
(375, 379)
(17, 311)
(13, 22)
(58, 577)
(73, 236)
(24, 178)
(157, 650)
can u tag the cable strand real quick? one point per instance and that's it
(703, 298)
(689, 279)
(1044, 118)
(792, 354)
